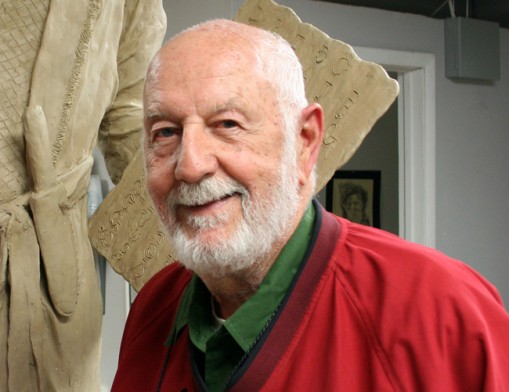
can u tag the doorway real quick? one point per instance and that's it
(415, 113)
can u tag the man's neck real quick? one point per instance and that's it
(232, 290)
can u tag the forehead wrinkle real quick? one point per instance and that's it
(158, 106)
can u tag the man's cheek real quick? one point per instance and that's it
(160, 204)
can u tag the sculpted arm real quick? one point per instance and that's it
(120, 132)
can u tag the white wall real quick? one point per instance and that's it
(472, 131)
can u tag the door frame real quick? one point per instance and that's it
(416, 134)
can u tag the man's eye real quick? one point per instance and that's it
(166, 132)
(228, 124)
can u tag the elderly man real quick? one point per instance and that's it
(272, 292)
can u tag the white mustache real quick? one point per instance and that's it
(206, 191)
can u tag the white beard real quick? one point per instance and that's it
(262, 224)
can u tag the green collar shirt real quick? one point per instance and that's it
(221, 346)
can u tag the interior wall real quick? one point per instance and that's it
(472, 135)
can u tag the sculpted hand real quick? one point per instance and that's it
(49, 205)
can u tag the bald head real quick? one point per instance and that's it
(270, 57)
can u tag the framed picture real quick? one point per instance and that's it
(355, 195)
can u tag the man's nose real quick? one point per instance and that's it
(196, 158)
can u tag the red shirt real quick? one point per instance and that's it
(368, 312)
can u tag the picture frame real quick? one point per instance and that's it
(355, 195)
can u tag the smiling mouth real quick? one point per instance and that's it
(205, 204)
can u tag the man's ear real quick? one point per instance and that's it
(309, 140)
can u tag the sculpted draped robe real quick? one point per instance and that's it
(71, 74)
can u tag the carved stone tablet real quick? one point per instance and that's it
(127, 231)
(354, 94)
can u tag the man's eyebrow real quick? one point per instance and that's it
(152, 115)
(233, 104)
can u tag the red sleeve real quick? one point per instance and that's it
(148, 325)
(440, 325)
